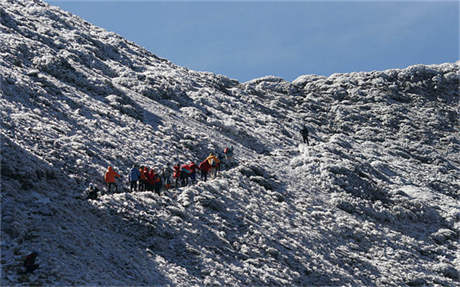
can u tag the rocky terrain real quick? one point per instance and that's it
(373, 201)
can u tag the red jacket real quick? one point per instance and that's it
(192, 166)
(204, 165)
(151, 177)
(176, 172)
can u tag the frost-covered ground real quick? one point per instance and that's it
(373, 200)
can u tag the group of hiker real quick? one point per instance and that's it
(144, 178)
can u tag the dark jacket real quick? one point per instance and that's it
(134, 174)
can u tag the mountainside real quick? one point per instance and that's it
(373, 200)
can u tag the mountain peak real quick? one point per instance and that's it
(372, 199)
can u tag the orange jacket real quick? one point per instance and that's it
(143, 173)
(213, 160)
(110, 175)
(156, 178)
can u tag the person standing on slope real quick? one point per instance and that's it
(109, 178)
(142, 178)
(228, 151)
(156, 182)
(166, 176)
(204, 168)
(304, 133)
(214, 163)
(193, 167)
(176, 174)
(228, 155)
(185, 173)
(151, 180)
(134, 176)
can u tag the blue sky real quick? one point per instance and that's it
(246, 40)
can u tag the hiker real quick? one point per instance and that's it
(150, 180)
(29, 262)
(218, 162)
(228, 152)
(193, 167)
(156, 181)
(142, 178)
(166, 176)
(176, 174)
(109, 178)
(214, 163)
(134, 176)
(92, 192)
(304, 133)
(204, 168)
(185, 173)
(226, 158)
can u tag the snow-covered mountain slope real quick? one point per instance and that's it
(373, 200)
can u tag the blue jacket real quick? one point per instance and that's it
(134, 174)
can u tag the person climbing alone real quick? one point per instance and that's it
(134, 176)
(304, 133)
(109, 178)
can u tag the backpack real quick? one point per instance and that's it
(228, 151)
(92, 193)
(186, 170)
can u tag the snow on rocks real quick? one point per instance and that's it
(373, 200)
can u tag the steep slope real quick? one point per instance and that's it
(373, 201)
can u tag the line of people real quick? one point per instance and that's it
(143, 178)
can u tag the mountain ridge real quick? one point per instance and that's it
(373, 200)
